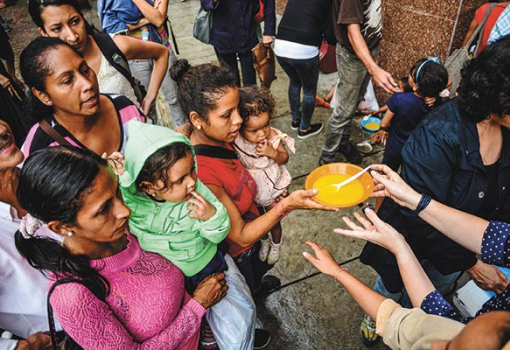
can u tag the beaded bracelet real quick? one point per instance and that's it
(422, 204)
(283, 210)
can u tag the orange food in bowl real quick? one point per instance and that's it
(351, 194)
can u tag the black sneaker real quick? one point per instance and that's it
(351, 153)
(268, 284)
(294, 125)
(323, 161)
(314, 130)
(262, 338)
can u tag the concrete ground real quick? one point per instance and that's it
(311, 311)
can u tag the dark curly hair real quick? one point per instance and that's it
(431, 79)
(157, 166)
(253, 101)
(201, 86)
(485, 83)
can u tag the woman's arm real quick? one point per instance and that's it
(156, 14)
(110, 333)
(416, 281)
(471, 30)
(139, 49)
(246, 234)
(465, 229)
(366, 297)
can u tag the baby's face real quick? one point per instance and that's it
(257, 128)
(183, 178)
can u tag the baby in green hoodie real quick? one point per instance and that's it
(177, 216)
(172, 212)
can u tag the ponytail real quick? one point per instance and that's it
(47, 255)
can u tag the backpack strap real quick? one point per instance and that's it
(113, 54)
(214, 152)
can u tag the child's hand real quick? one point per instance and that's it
(116, 161)
(265, 148)
(378, 136)
(202, 209)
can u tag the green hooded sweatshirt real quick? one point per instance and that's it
(165, 228)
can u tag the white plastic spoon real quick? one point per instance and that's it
(346, 182)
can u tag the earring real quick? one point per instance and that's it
(49, 103)
(199, 127)
(69, 234)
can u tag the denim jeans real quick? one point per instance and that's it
(246, 59)
(352, 84)
(302, 74)
(443, 283)
(142, 70)
(252, 268)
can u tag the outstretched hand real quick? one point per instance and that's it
(322, 260)
(390, 184)
(384, 80)
(374, 230)
(303, 199)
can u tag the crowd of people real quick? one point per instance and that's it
(119, 232)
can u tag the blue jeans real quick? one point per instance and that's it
(443, 283)
(352, 84)
(142, 70)
(252, 268)
(302, 74)
(246, 59)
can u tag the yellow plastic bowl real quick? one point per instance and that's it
(349, 195)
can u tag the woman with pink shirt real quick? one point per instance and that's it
(119, 296)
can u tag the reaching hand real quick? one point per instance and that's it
(384, 80)
(374, 230)
(391, 185)
(323, 261)
(488, 277)
(211, 290)
(201, 208)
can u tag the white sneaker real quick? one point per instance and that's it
(274, 253)
(264, 249)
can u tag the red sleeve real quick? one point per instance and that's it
(480, 13)
(208, 171)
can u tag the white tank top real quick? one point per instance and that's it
(111, 81)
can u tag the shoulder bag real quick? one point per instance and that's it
(458, 59)
(65, 343)
(203, 25)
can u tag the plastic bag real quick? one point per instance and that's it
(232, 320)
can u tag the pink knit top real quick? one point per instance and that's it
(147, 307)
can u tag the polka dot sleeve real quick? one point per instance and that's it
(435, 304)
(495, 244)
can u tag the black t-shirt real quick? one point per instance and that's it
(366, 13)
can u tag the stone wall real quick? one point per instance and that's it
(413, 29)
